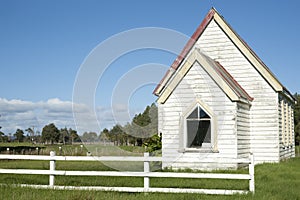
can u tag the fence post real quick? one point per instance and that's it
(146, 169)
(251, 173)
(52, 168)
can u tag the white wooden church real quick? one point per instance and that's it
(219, 101)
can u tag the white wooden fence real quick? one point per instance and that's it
(146, 174)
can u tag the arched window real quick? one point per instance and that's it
(198, 129)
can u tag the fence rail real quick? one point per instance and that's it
(147, 174)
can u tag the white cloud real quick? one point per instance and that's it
(57, 106)
(17, 113)
(15, 105)
(23, 114)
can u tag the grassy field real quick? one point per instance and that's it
(78, 150)
(273, 181)
(16, 144)
(70, 150)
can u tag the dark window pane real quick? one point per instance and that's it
(203, 114)
(206, 130)
(194, 114)
(197, 133)
(192, 128)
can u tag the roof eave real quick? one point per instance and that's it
(229, 86)
(287, 94)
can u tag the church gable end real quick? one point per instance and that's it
(249, 108)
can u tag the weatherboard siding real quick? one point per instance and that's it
(197, 85)
(286, 128)
(243, 130)
(264, 109)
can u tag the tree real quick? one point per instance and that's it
(50, 134)
(117, 135)
(2, 136)
(30, 131)
(104, 135)
(38, 137)
(131, 139)
(89, 137)
(153, 143)
(144, 125)
(19, 135)
(64, 135)
(74, 136)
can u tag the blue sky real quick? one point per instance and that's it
(44, 43)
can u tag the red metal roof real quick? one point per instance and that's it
(231, 82)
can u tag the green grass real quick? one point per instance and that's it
(66, 150)
(100, 150)
(272, 181)
(29, 148)
(27, 193)
(134, 149)
(17, 144)
(72, 150)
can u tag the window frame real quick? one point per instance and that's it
(206, 147)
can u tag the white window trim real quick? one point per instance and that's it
(206, 147)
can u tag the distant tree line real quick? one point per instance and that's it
(140, 131)
(136, 133)
(50, 135)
